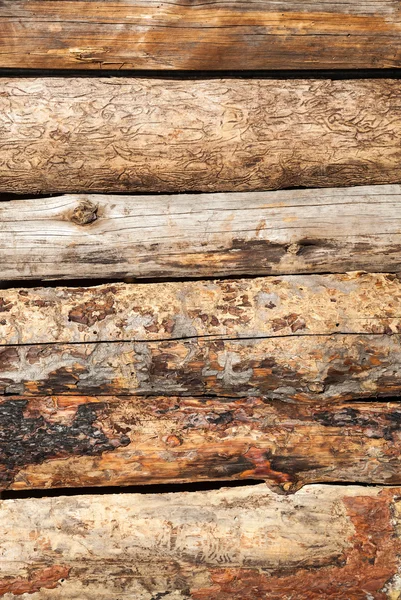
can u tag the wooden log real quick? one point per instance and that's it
(143, 34)
(142, 135)
(55, 442)
(299, 368)
(232, 544)
(311, 305)
(202, 235)
(311, 338)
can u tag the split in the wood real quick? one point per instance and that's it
(149, 488)
(322, 543)
(201, 235)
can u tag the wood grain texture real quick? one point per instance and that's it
(232, 544)
(144, 135)
(59, 441)
(145, 34)
(264, 307)
(202, 235)
(301, 338)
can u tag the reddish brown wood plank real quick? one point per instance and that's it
(144, 34)
(48, 442)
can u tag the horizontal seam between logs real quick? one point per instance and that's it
(210, 337)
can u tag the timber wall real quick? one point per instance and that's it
(200, 300)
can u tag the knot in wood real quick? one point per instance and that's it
(173, 441)
(316, 387)
(293, 248)
(85, 213)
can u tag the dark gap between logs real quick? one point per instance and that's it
(337, 74)
(87, 283)
(161, 488)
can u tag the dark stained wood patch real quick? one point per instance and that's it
(62, 441)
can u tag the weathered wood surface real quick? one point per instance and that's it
(49, 442)
(202, 235)
(296, 368)
(311, 338)
(233, 544)
(292, 305)
(90, 134)
(144, 34)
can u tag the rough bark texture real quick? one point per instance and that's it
(135, 34)
(311, 338)
(315, 338)
(233, 544)
(297, 368)
(205, 135)
(352, 303)
(198, 235)
(49, 442)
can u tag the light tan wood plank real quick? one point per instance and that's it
(294, 305)
(155, 135)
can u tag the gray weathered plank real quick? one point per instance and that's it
(238, 34)
(202, 235)
(149, 134)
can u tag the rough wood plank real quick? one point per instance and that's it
(221, 309)
(202, 235)
(145, 34)
(90, 134)
(233, 544)
(49, 442)
(299, 368)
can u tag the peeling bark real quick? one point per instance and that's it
(312, 338)
(202, 235)
(135, 34)
(294, 368)
(354, 303)
(308, 340)
(237, 544)
(49, 442)
(66, 135)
